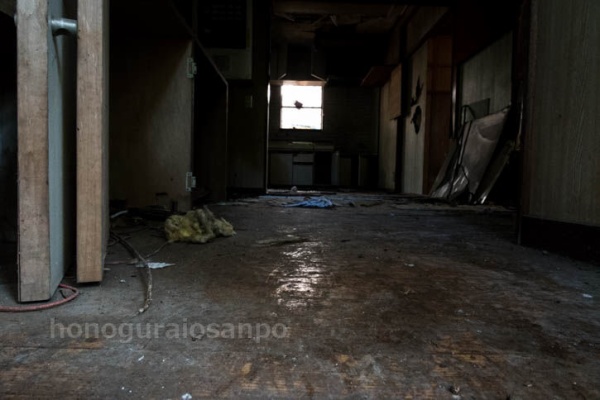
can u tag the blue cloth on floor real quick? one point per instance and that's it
(313, 202)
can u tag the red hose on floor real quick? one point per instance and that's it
(39, 307)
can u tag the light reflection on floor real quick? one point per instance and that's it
(302, 277)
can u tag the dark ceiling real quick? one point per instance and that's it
(303, 22)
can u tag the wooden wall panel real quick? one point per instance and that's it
(388, 136)
(151, 121)
(395, 93)
(488, 76)
(92, 139)
(439, 108)
(421, 24)
(562, 144)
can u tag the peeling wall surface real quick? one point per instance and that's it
(488, 76)
(562, 178)
(414, 142)
(8, 129)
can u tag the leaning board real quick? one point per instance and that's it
(92, 138)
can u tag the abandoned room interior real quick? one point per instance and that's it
(300, 199)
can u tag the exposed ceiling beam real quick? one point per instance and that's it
(340, 7)
(314, 7)
(8, 7)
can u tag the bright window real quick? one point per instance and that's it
(301, 107)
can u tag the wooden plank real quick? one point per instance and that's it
(45, 151)
(92, 138)
(32, 109)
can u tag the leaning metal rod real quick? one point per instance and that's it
(141, 260)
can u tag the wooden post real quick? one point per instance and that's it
(32, 109)
(92, 138)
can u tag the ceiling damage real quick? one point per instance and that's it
(348, 37)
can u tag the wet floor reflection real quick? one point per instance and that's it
(302, 277)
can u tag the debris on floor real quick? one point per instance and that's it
(157, 265)
(365, 203)
(197, 226)
(288, 239)
(313, 202)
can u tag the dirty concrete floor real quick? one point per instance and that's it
(382, 299)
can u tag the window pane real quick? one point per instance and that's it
(305, 118)
(309, 96)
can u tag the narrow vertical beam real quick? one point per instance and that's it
(92, 138)
(32, 109)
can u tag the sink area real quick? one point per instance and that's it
(293, 146)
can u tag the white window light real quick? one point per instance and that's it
(301, 107)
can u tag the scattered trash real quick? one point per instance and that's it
(369, 203)
(141, 358)
(246, 369)
(118, 214)
(588, 296)
(288, 239)
(455, 390)
(313, 202)
(186, 396)
(197, 226)
(410, 265)
(156, 265)
(122, 281)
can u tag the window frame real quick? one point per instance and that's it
(283, 107)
